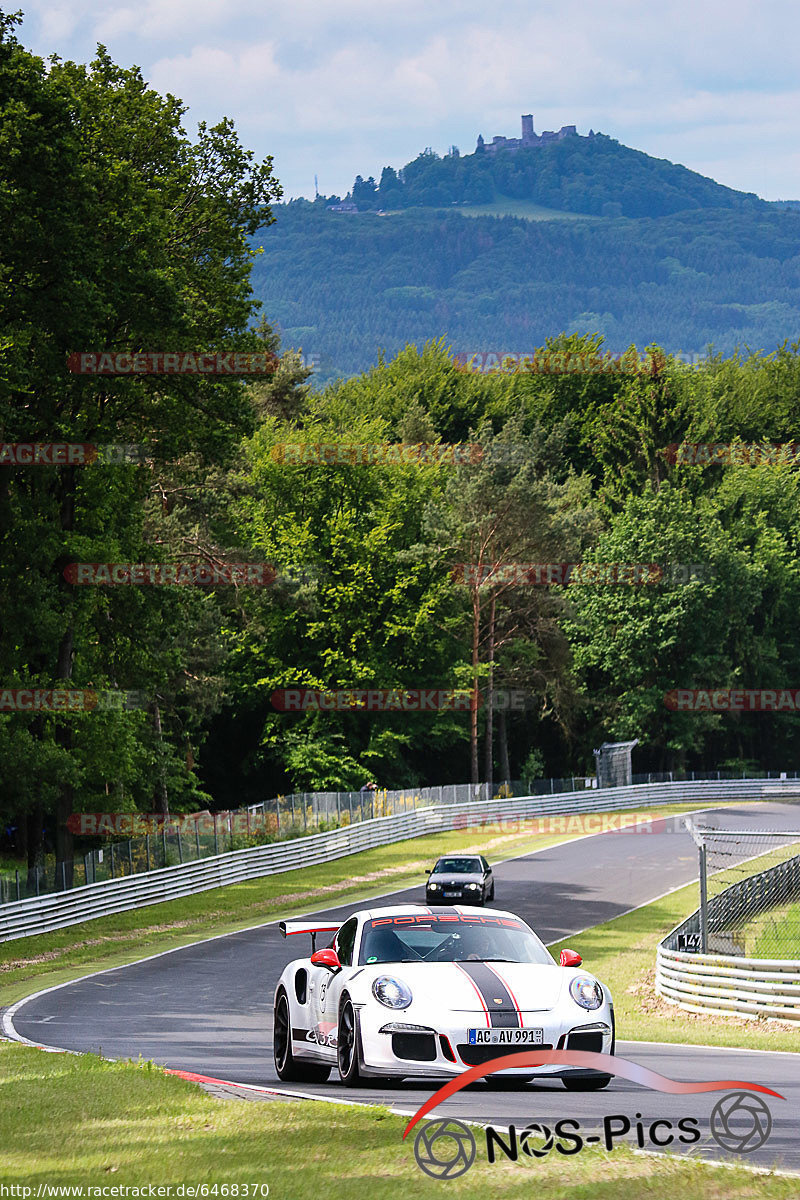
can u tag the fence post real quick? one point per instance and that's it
(36, 872)
(350, 805)
(130, 853)
(197, 838)
(146, 849)
(278, 813)
(291, 797)
(216, 839)
(180, 847)
(703, 899)
(112, 860)
(164, 839)
(16, 874)
(305, 812)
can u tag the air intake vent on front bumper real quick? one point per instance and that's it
(419, 1047)
(475, 1055)
(590, 1039)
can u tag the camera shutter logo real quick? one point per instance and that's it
(740, 1122)
(445, 1149)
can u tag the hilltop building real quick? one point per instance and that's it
(528, 139)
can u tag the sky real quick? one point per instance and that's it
(336, 88)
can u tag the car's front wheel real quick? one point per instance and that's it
(286, 1065)
(347, 1050)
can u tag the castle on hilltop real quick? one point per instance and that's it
(529, 138)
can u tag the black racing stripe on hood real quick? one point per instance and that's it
(503, 1015)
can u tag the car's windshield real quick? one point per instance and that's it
(450, 939)
(458, 866)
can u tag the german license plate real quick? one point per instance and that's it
(450, 895)
(506, 1037)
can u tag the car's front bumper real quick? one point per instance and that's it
(389, 1049)
(455, 896)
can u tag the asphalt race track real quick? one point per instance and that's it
(208, 1008)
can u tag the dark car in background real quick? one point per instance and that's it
(460, 878)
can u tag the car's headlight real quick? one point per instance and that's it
(391, 992)
(586, 992)
(433, 886)
(473, 886)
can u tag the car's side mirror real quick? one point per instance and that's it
(567, 958)
(429, 871)
(326, 958)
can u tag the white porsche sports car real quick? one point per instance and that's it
(415, 991)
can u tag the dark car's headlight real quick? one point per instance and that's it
(433, 886)
(391, 992)
(586, 992)
(472, 886)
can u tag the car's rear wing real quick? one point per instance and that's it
(290, 928)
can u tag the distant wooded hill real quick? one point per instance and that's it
(595, 175)
(687, 263)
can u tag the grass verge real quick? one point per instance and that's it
(78, 1121)
(28, 964)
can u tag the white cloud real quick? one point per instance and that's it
(346, 86)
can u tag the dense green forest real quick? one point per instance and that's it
(111, 238)
(344, 287)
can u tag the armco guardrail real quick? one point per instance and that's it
(717, 983)
(729, 983)
(57, 910)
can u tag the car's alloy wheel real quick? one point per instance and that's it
(347, 1046)
(286, 1065)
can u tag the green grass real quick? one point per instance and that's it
(44, 960)
(622, 953)
(773, 934)
(75, 1120)
(527, 209)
